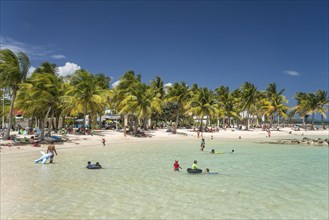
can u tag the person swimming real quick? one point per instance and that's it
(212, 151)
(232, 151)
(208, 172)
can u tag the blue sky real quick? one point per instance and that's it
(210, 43)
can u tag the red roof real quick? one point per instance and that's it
(17, 112)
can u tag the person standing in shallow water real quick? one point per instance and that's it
(203, 144)
(177, 166)
(51, 149)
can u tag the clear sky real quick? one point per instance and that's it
(210, 43)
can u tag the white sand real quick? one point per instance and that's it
(117, 138)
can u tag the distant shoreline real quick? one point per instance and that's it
(117, 138)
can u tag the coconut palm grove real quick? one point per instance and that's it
(50, 101)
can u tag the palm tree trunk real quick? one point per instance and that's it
(50, 124)
(42, 129)
(176, 124)
(135, 125)
(278, 119)
(100, 121)
(207, 122)
(322, 119)
(42, 124)
(84, 115)
(53, 122)
(247, 127)
(201, 128)
(125, 122)
(7, 134)
(57, 122)
(63, 121)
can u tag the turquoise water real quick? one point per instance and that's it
(259, 181)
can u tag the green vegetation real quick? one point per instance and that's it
(45, 97)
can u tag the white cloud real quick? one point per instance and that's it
(167, 85)
(68, 69)
(34, 52)
(58, 56)
(30, 71)
(115, 84)
(292, 73)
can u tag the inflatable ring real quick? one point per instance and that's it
(190, 170)
(93, 166)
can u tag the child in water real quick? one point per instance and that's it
(177, 166)
(203, 144)
(208, 172)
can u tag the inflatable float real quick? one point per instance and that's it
(190, 170)
(93, 166)
(43, 158)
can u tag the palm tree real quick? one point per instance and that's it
(225, 101)
(87, 92)
(13, 71)
(158, 90)
(237, 107)
(203, 104)
(307, 104)
(302, 106)
(41, 97)
(4, 108)
(277, 102)
(128, 83)
(57, 109)
(179, 94)
(323, 100)
(103, 81)
(47, 67)
(248, 98)
(312, 106)
(140, 102)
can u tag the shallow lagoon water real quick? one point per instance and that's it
(259, 181)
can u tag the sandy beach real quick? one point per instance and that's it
(115, 138)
